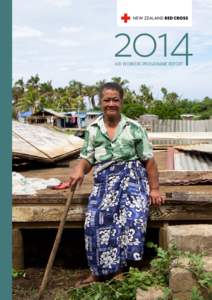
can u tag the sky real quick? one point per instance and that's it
(64, 40)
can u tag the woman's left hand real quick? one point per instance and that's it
(155, 197)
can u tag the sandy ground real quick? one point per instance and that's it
(60, 283)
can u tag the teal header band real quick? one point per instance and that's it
(5, 148)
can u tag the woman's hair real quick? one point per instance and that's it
(111, 86)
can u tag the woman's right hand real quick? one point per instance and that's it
(76, 177)
(78, 172)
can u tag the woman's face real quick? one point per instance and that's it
(111, 103)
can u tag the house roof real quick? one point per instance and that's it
(54, 113)
(25, 114)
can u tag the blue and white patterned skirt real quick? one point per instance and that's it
(116, 216)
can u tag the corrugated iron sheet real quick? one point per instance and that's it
(192, 161)
(38, 142)
(179, 138)
(55, 113)
(188, 126)
(181, 125)
(205, 148)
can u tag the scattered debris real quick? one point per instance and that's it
(29, 186)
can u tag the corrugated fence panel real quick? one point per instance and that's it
(179, 126)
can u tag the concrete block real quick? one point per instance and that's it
(195, 238)
(181, 280)
(151, 294)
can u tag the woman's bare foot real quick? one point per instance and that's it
(119, 277)
(87, 281)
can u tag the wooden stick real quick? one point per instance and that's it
(56, 245)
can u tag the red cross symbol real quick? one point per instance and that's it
(125, 18)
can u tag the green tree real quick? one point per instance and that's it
(145, 97)
(30, 100)
(164, 92)
(33, 82)
(133, 110)
(172, 98)
(18, 90)
(75, 88)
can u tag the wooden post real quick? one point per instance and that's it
(18, 249)
(56, 244)
(163, 236)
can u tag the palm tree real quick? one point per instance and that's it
(100, 83)
(90, 91)
(164, 92)
(33, 81)
(75, 88)
(120, 81)
(18, 90)
(146, 97)
(172, 98)
(46, 92)
(30, 100)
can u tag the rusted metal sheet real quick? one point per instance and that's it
(205, 148)
(38, 142)
(170, 158)
(179, 178)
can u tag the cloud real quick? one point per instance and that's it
(203, 5)
(60, 3)
(61, 43)
(26, 32)
(70, 29)
(67, 66)
(102, 71)
(64, 69)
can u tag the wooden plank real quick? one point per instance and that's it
(20, 146)
(51, 144)
(168, 212)
(169, 174)
(182, 213)
(45, 213)
(189, 197)
(49, 199)
(47, 225)
(171, 198)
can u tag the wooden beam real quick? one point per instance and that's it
(182, 213)
(18, 249)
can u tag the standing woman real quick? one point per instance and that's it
(125, 184)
